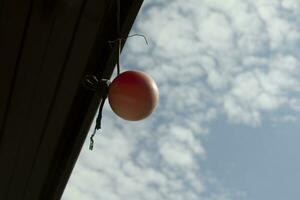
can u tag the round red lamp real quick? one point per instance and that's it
(133, 95)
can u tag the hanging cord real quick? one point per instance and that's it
(107, 82)
(90, 82)
(99, 117)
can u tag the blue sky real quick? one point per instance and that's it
(227, 124)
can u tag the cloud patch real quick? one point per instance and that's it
(210, 58)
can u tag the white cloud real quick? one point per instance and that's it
(215, 32)
(291, 5)
(210, 58)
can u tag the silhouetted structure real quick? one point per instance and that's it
(46, 49)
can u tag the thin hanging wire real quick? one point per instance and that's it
(119, 53)
(118, 16)
(119, 40)
(106, 86)
(129, 36)
(118, 35)
(146, 41)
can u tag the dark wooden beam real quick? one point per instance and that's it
(12, 34)
(46, 113)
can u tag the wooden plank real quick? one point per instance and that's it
(93, 15)
(13, 20)
(66, 15)
(24, 89)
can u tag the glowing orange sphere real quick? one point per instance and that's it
(133, 95)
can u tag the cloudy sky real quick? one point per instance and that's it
(227, 124)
